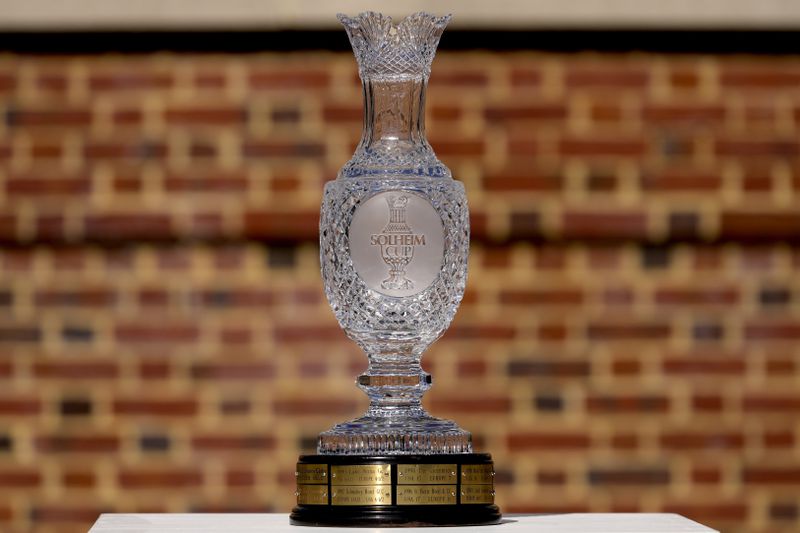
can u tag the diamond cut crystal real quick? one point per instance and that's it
(386, 303)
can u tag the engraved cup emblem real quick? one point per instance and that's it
(397, 242)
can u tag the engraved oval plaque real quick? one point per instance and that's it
(397, 243)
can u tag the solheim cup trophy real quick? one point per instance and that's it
(394, 241)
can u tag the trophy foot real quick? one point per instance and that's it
(388, 431)
(395, 491)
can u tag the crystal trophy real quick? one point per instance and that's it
(394, 242)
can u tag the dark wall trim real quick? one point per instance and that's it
(731, 41)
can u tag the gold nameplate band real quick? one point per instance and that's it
(477, 474)
(307, 473)
(477, 494)
(426, 474)
(426, 495)
(312, 494)
(381, 495)
(361, 475)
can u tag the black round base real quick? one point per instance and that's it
(393, 516)
(395, 491)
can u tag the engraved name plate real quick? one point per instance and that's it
(397, 243)
(380, 495)
(308, 473)
(420, 474)
(312, 494)
(426, 494)
(361, 474)
(477, 474)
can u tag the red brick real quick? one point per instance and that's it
(552, 332)
(63, 118)
(46, 149)
(232, 370)
(778, 439)
(233, 443)
(626, 367)
(444, 112)
(142, 332)
(216, 183)
(156, 407)
(547, 441)
(707, 403)
(77, 444)
(99, 297)
(525, 77)
(8, 227)
(116, 227)
(771, 403)
(19, 477)
(308, 333)
(273, 149)
(455, 148)
(68, 370)
(127, 117)
(570, 147)
(313, 406)
(757, 184)
(734, 512)
(154, 370)
(630, 330)
(530, 182)
(481, 332)
(124, 150)
(18, 186)
(702, 441)
(67, 514)
(78, 479)
(606, 112)
(240, 478)
(726, 296)
(163, 478)
(283, 78)
(706, 475)
(781, 475)
(689, 114)
(627, 404)
(133, 78)
(629, 476)
(526, 112)
(459, 78)
(705, 366)
(199, 116)
(8, 82)
(606, 76)
(772, 330)
(747, 148)
(342, 113)
(684, 78)
(773, 77)
(625, 441)
(762, 226)
(19, 406)
(542, 297)
(470, 405)
(611, 225)
(472, 368)
(680, 181)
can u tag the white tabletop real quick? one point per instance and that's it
(279, 523)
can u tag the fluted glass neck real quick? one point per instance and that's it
(394, 63)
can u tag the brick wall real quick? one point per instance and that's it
(629, 337)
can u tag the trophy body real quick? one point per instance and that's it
(394, 243)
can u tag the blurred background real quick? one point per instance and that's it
(629, 336)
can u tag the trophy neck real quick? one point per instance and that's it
(394, 114)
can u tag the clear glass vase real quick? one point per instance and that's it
(394, 241)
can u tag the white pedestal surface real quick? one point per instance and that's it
(279, 523)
